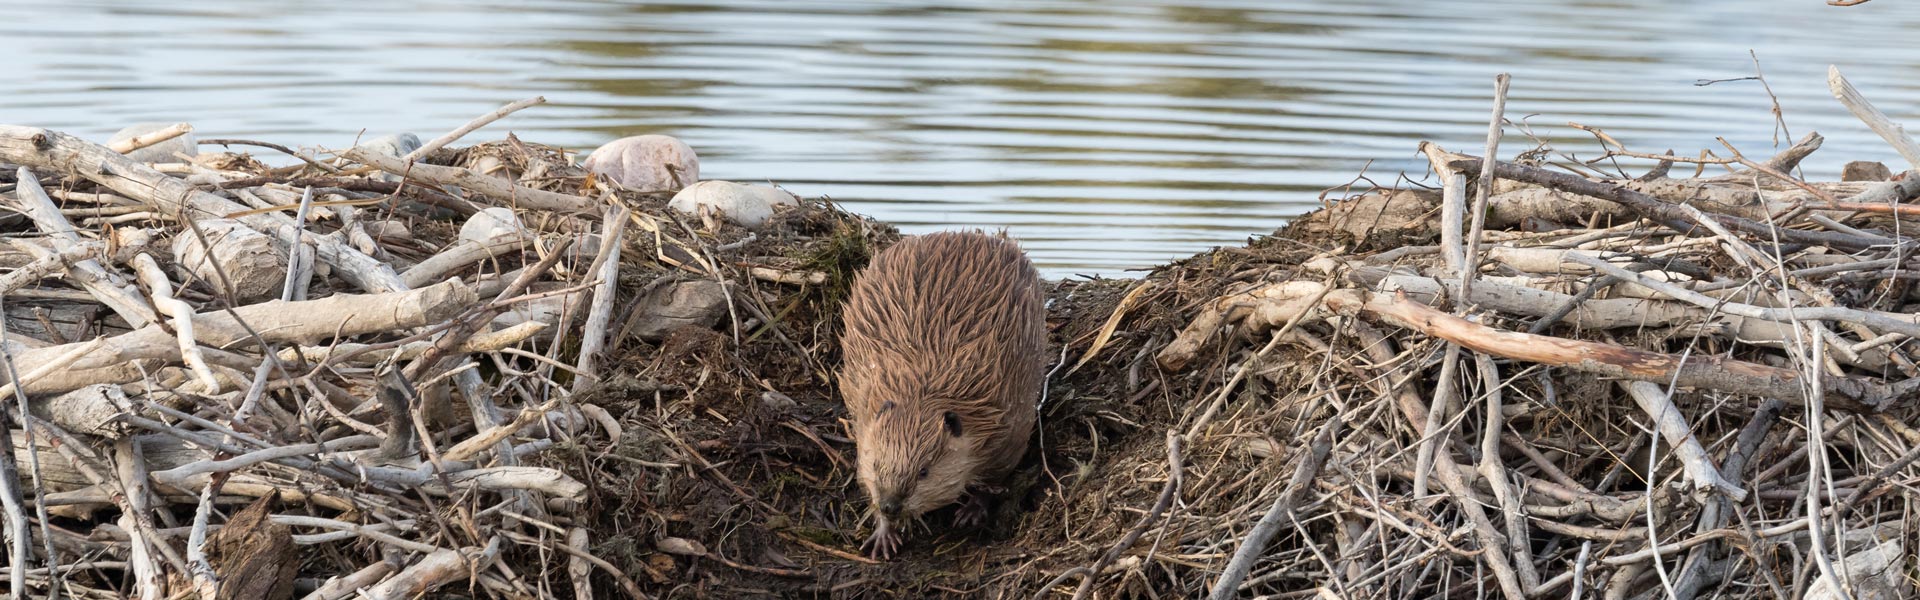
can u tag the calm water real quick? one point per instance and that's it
(1107, 135)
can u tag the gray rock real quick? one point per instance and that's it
(699, 303)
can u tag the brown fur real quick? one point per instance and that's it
(942, 323)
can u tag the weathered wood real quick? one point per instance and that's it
(253, 557)
(1857, 394)
(492, 187)
(46, 149)
(230, 258)
(304, 322)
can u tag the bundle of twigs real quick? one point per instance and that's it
(1594, 383)
(300, 377)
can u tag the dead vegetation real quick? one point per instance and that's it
(1646, 385)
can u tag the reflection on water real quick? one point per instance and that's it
(1107, 135)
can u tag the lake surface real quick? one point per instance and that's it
(1106, 135)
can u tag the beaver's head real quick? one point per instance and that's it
(915, 458)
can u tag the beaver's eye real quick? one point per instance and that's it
(923, 472)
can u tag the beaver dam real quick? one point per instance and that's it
(490, 371)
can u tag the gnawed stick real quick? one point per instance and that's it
(593, 338)
(1665, 213)
(1908, 325)
(1658, 404)
(341, 587)
(44, 265)
(161, 290)
(491, 341)
(276, 322)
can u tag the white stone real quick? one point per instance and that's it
(641, 163)
(747, 205)
(492, 223)
(161, 152)
(395, 145)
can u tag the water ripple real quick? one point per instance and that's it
(1107, 136)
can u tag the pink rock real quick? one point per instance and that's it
(642, 163)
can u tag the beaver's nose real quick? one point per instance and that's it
(890, 507)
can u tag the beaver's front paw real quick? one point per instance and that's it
(883, 543)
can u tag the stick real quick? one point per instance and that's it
(1718, 373)
(1894, 133)
(202, 571)
(341, 587)
(277, 322)
(476, 123)
(44, 266)
(594, 338)
(438, 568)
(1256, 541)
(112, 289)
(485, 185)
(1668, 214)
(578, 569)
(460, 254)
(135, 520)
(1449, 472)
(161, 289)
(41, 148)
(1658, 404)
(1902, 324)
(1471, 264)
(150, 138)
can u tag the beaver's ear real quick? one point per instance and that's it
(953, 423)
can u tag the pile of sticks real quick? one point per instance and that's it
(1594, 383)
(241, 361)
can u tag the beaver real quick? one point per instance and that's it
(944, 353)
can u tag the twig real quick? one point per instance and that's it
(160, 289)
(150, 138)
(476, 123)
(1484, 190)
(1658, 404)
(594, 337)
(1894, 133)
(1902, 324)
(1256, 541)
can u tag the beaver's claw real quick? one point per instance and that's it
(883, 543)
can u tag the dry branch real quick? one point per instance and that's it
(55, 151)
(493, 187)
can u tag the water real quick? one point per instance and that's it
(1106, 135)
